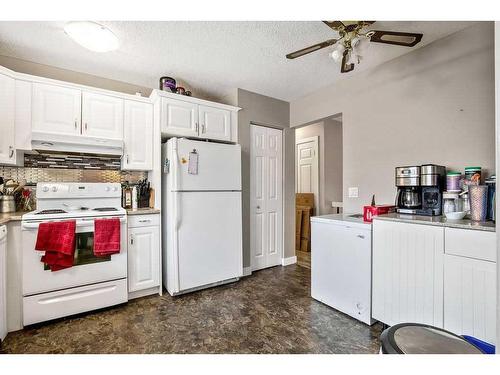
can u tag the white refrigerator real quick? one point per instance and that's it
(201, 213)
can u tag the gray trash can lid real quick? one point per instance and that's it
(412, 338)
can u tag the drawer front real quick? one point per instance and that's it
(47, 306)
(470, 243)
(136, 221)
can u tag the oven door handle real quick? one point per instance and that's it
(79, 223)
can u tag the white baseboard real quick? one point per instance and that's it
(247, 271)
(288, 261)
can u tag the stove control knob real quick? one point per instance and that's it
(45, 189)
(115, 189)
(107, 188)
(54, 188)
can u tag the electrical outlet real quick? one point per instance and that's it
(353, 192)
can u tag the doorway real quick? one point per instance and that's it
(307, 166)
(318, 170)
(266, 196)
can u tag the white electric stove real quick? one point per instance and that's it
(93, 282)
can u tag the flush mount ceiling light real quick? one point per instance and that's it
(91, 35)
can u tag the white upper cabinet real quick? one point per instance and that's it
(7, 120)
(215, 123)
(56, 109)
(179, 118)
(138, 136)
(184, 116)
(102, 116)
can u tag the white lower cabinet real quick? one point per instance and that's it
(470, 297)
(143, 254)
(407, 273)
(3, 282)
(445, 277)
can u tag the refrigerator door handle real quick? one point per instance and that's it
(177, 211)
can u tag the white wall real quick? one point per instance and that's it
(432, 105)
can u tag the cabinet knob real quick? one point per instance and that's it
(360, 236)
(258, 207)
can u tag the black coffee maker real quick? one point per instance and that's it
(420, 189)
(433, 183)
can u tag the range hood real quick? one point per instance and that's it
(75, 144)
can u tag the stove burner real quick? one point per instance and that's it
(49, 212)
(105, 209)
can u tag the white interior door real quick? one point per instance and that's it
(266, 189)
(307, 167)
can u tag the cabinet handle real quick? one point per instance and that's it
(203, 129)
(76, 124)
(86, 126)
(127, 158)
(11, 152)
(360, 236)
(197, 127)
(145, 221)
(131, 240)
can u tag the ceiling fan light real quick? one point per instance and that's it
(336, 55)
(91, 35)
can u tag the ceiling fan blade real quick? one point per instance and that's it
(395, 37)
(316, 47)
(335, 25)
(345, 67)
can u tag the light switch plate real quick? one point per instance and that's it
(353, 192)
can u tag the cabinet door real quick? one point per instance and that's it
(3, 284)
(138, 136)
(407, 273)
(215, 123)
(470, 297)
(102, 116)
(7, 119)
(143, 258)
(56, 109)
(179, 118)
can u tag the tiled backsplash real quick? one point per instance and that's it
(34, 175)
(72, 161)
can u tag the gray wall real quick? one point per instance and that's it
(333, 163)
(432, 105)
(264, 110)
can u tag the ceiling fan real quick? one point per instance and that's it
(351, 33)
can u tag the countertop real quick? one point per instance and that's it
(441, 221)
(143, 211)
(11, 216)
(347, 218)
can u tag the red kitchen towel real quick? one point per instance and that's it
(106, 236)
(57, 239)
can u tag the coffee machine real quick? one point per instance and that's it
(420, 189)
(408, 197)
(433, 183)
